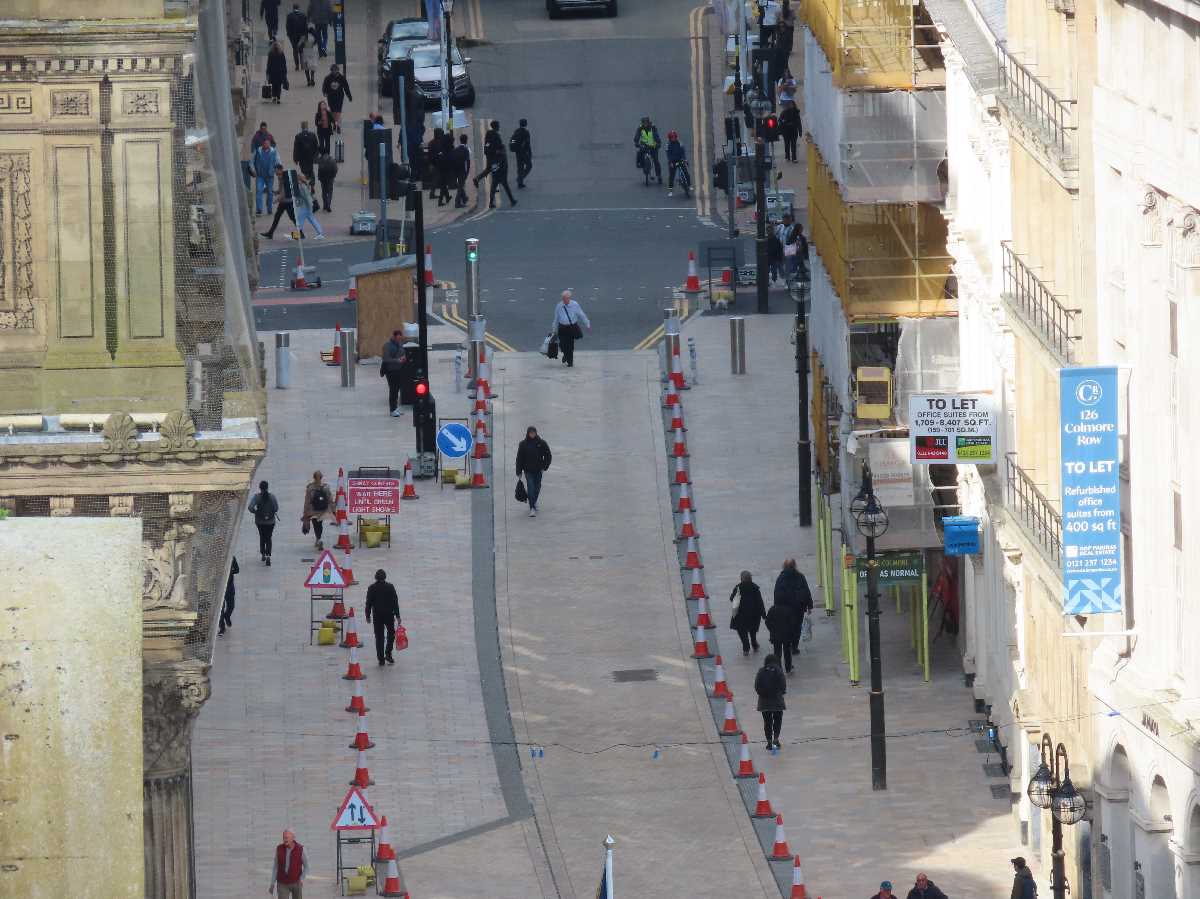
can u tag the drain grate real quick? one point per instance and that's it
(631, 675)
(984, 746)
(994, 769)
(1000, 791)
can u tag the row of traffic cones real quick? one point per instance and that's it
(481, 429)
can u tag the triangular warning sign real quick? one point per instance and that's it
(355, 813)
(326, 573)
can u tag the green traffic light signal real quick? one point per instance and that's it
(472, 255)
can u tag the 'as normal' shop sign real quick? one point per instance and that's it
(952, 428)
(1091, 491)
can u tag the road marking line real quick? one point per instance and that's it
(491, 339)
(646, 342)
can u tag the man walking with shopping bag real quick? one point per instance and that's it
(533, 458)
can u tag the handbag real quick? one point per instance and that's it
(576, 331)
(806, 629)
(401, 638)
(520, 494)
(339, 150)
(304, 526)
(552, 346)
(790, 249)
(266, 92)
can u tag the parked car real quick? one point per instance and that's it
(556, 8)
(398, 37)
(427, 65)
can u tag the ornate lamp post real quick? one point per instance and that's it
(447, 68)
(872, 522)
(1052, 789)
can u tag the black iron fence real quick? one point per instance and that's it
(1040, 519)
(1038, 306)
(1026, 96)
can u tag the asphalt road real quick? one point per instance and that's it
(585, 221)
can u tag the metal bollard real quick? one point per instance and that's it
(458, 371)
(737, 345)
(692, 360)
(347, 342)
(283, 360)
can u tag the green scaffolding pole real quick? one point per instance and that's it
(925, 622)
(913, 626)
(829, 555)
(896, 595)
(846, 624)
(822, 552)
(851, 581)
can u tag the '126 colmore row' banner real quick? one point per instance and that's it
(1091, 491)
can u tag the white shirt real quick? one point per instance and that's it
(771, 13)
(569, 314)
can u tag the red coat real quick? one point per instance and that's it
(290, 874)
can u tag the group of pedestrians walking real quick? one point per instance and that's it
(292, 192)
(787, 250)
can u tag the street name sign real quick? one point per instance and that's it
(952, 428)
(894, 568)
(454, 440)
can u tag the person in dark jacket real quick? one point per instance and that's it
(304, 153)
(268, 10)
(774, 256)
(781, 624)
(230, 596)
(462, 170)
(336, 89)
(925, 889)
(286, 203)
(433, 157)
(533, 458)
(885, 891)
(749, 612)
(789, 130)
(447, 169)
(392, 368)
(327, 171)
(792, 590)
(497, 160)
(521, 145)
(384, 604)
(320, 17)
(770, 685)
(296, 27)
(1023, 886)
(277, 71)
(323, 122)
(265, 509)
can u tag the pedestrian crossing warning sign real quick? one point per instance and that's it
(355, 813)
(326, 573)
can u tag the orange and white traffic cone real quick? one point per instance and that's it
(798, 888)
(353, 668)
(362, 776)
(701, 648)
(681, 472)
(687, 527)
(679, 448)
(410, 489)
(384, 851)
(730, 727)
(391, 883)
(702, 617)
(352, 293)
(338, 612)
(343, 540)
(780, 851)
(358, 702)
(692, 560)
(477, 476)
(720, 688)
(337, 328)
(762, 805)
(481, 447)
(481, 426)
(361, 739)
(685, 499)
(671, 395)
(348, 568)
(677, 374)
(481, 403)
(745, 765)
(340, 505)
(483, 383)
(429, 265)
(693, 279)
(698, 591)
(350, 635)
(676, 418)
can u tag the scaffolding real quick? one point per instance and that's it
(877, 44)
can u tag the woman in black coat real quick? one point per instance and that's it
(277, 70)
(748, 613)
(781, 625)
(770, 685)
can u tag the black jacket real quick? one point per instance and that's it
(521, 144)
(269, 10)
(462, 160)
(277, 69)
(791, 589)
(782, 623)
(493, 146)
(751, 610)
(394, 357)
(533, 455)
(382, 601)
(770, 684)
(327, 170)
(1024, 886)
(230, 590)
(789, 121)
(295, 24)
(930, 892)
(305, 149)
(335, 87)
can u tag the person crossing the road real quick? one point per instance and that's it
(286, 201)
(384, 605)
(522, 148)
(305, 149)
(676, 157)
(497, 159)
(462, 164)
(567, 316)
(392, 367)
(646, 140)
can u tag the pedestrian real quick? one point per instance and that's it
(925, 889)
(433, 161)
(320, 17)
(521, 145)
(264, 163)
(230, 596)
(318, 505)
(799, 259)
(260, 135)
(567, 316)
(791, 589)
(781, 625)
(286, 185)
(268, 10)
(327, 170)
(305, 47)
(323, 122)
(384, 604)
(304, 207)
(770, 685)
(748, 612)
(304, 152)
(1023, 884)
(497, 159)
(885, 891)
(789, 130)
(462, 164)
(774, 255)
(533, 458)
(296, 25)
(766, 25)
(391, 366)
(289, 868)
(785, 33)
(277, 75)
(676, 157)
(336, 89)
(447, 169)
(265, 509)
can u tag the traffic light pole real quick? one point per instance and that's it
(422, 292)
(339, 32)
(762, 262)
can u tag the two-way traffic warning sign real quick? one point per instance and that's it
(326, 573)
(355, 813)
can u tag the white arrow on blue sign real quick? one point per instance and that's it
(455, 440)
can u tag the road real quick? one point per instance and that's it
(586, 221)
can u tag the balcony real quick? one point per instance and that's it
(1028, 296)
(884, 259)
(877, 44)
(1037, 517)
(1044, 123)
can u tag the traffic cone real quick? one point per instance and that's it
(762, 805)
(798, 889)
(693, 279)
(361, 739)
(692, 560)
(391, 884)
(358, 702)
(780, 851)
(343, 540)
(701, 649)
(677, 378)
(720, 688)
(337, 330)
(348, 568)
(481, 447)
(352, 293)
(481, 426)
(676, 418)
(477, 476)
(483, 383)
(410, 489)
(354, 670)
(671, 396)
(299, 282)
(702, 617)
(338, 612)
(681, 472)
(384, 851)
(481, 403)
(340, 504)
(698, 591)
(350, 636)
(362, 777)
(679, 449)
(687, 528)
(685, 499)
(429, 265)
(730, 727)
(745, 765)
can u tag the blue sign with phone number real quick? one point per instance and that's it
(1091, 491)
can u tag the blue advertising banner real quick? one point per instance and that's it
(1091, 491)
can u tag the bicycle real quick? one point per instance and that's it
(683, 177)
(644, 162)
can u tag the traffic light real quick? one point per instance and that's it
(376, 141)
(399, 185)
(424, 413)
(733, 128)
(472, 250)
(770, 127)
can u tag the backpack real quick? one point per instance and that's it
(265, 509)
(320, 499)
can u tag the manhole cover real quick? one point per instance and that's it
(984, 746)
(628, 675)
(1000, 791)
(994, 770)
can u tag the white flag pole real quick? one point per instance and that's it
(608, 872)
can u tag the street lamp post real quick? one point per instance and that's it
(800, 294)
(1052, 789)
(447, 67)
(872, 522)
(759, 107)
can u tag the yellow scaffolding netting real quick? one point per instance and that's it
(884, 259)
(876, 43)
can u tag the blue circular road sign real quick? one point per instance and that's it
(455, 440)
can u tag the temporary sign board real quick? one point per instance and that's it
(355, 813)
(1091, 491)
(374, 496)
(952, 428)
(326, 573)
(894, 568)
(891, 472)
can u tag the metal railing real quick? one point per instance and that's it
(1038, 306)
(1039, 518)
(1037, 105)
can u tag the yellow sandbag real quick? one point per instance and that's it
(462, 480)
(326, 636)
(372, 537)
(368, 872)
(449, 475)
(356, 885)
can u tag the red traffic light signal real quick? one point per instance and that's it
(770, 127)
(421, 388)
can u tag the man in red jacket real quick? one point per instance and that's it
(289, 868)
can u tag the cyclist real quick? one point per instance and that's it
(647, 141)
(676, 160)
